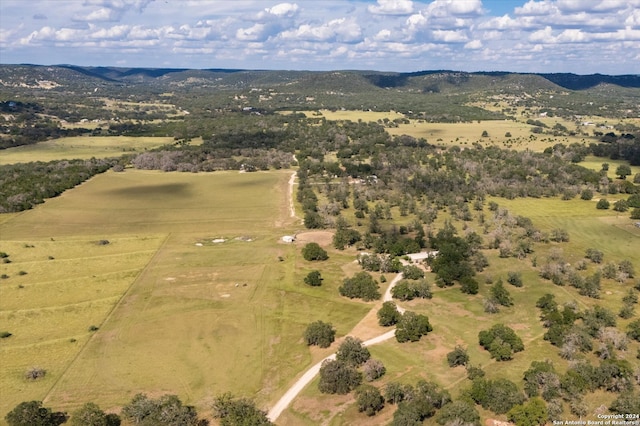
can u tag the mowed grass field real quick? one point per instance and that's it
(81, 147)
(457, 318)
(176, 312)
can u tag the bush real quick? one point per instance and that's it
(412, 327)
(621, 206)
(369, 400)
(5, 334)
(319, 333)
(458, 413)
(352, 352)
(32, 413)
(338, 377)
(35, 373)
(388, 315)
(361, 285)
(410, 289)
(313, 278)
(500, 294)
(586, 194)
(412, 272)
(91, 415)
(373, 369)
(167, 410)
(594, 255)
(533, 413)
(501, 342)
(635, 213)
(603, 204)
(457, 357)
(514, 278)
(313, 251)
(238, 411)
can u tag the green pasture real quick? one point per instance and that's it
(595, 163)
(81, 147)
(462, 134)
(177, 313)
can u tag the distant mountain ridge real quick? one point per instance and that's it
(431, 80)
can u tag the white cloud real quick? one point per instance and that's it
(473, 45)
(536, 8)
(257, 32)
(442, 8)
(340, 30)
(283, 10)
(392, 7)
(450, 36)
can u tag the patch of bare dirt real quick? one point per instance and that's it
(323, 238)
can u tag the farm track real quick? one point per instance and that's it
(109, 315)
(312, 372)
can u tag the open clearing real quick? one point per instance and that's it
(194, 320)
(82, 147)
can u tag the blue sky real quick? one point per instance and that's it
(579, 36)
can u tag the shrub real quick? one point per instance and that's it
(167, 410)
(238, 411)
(457, 357)
(369, 400)
(458, 413)
(32, 413)
(412, 272)
(35, 373)
(5, 334)
(388, 315)
(361, 285)
(373, 369)
(410, 289)
(412, 327)
(603, 204)
(313, 278)
(352, 352)
(319, 333)
(621, 206)
(338, 377)
(594, 255)
(500, 294)
(514, 278)
(635, 213)
(501, 342)
(586, 194)
(91, 415)
(313, 251)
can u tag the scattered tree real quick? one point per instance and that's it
(388, 315)
(412, 327)
(238, 412)
(90, 414)
(369, 400)
(373, 369)
(361, 285)
(32, 413)
(313, 251)
(313, 278)
(458, 356)
(319, 333)
(352, 352)
(338, 377)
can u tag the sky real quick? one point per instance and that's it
(578, 36)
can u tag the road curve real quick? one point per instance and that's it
(309, 375)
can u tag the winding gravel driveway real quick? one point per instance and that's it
(309, 375)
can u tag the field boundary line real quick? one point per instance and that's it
(106, 318)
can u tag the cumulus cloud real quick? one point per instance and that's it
(473, 45)
(392, 7)
(455, 7)
(283, 10)
(110, 10)
(340, 30)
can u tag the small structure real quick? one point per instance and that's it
(288, 238)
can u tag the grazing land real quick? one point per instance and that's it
(165, 271)
(81, 147)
